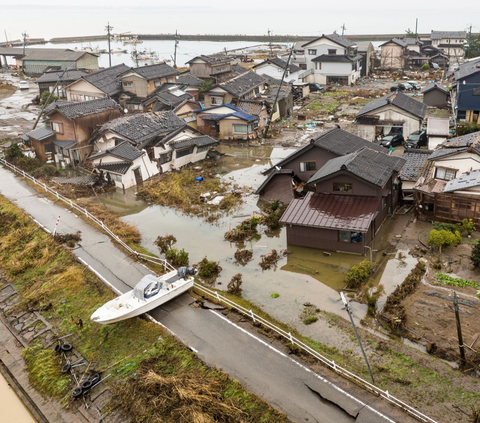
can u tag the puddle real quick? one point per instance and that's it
(121, 202)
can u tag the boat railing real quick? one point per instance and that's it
(295, 342)
(146, 257)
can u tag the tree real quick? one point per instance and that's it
(204, 88)
(444, 238)
(44, 98)
(409, 33)
(473, 47)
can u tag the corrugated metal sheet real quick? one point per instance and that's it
(329, 211)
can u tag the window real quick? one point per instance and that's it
(115, 177)
(332, 51)
(216, 100)
(348, 236)
(57, 127)
(239, 129)
(318, 65)
(476, 91)
(127, 84)
(184, 152)
(308, 166)
(303, 66)
(133, 106)
(170, 80)
(312, 52)
(165, 157)
(48, 148)
(202, 148)
(446, 174)
(157, 83)
(343, 187)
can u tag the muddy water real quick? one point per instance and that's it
(12, 408)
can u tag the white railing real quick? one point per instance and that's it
(73, 205)
(221, 299)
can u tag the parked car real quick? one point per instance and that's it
(417, 139)
(315, 87)
(415, 85)
(391, 140)
(23, 85)
(402, 86)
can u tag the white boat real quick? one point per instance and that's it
(151, 292)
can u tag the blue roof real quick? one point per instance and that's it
(237, 113)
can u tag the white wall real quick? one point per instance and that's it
(276, 72)
(463, 162)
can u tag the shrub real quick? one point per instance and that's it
(444, 238)
(310, 319)
(358, 274)
(243, 256)
(475, 257)
(234, 286)
(44, 98)
(165, 243)
(440, 226)
(272, 214)
(208, 269)
(467, 128)
(13, 152)
(177, 258)
(426, 66)
(467, 226)
(246, 230)
(274, 295)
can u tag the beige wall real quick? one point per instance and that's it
(82, 90)
(392, 57)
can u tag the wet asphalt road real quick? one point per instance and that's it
(288, 386)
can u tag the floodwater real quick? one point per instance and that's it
(12, 408)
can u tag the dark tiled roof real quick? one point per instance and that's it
(160, 70)
(340, 212)
(119, 167)
(75, 109)
(467, 69)
(108, 79)
(338, 39)
(270, 80)
(252, 107)
(212, 59)
(439, 35)
(337, 58)
(40, 133)
(141, 128)
(243, 84)
(368, 164)
(411, 41)
(280, 63)
(54, 54)
(398, 99)
(168, 97)
(469, 180)
(271, 93)
(443, 152)
(435, 85)
(124, 151)
(65, 144)
(463, 140)
(198, 141)
(398, 41)
(188, 79)
(71, 75)
(416, 164)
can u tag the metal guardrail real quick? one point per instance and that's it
(220, 298)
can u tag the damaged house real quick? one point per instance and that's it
(275, 67)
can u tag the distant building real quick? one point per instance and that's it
(452, 43)
(435, 95)
(49, 79)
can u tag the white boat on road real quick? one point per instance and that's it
(151, 292)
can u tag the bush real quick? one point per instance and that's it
(44, 98)
(208, 269)
(467, 226)
(444, 238)
(246, 230)
(273, 212)
(311, 319)
(177, 258)
(13, 152)
(358, 274)
(165, 243)
(234, 286)
(243, 256)
(475, 257)
(440, 226)
(467, 128)
(426, 66)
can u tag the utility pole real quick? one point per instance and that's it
(24, 35)
(175, 51)
(349, 311)
(416, 28)
(270, 41)
(108, 28)
(469, 42)
(459, 331)
(343, 29)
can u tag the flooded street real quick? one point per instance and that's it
(12, 408)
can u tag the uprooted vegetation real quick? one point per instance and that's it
(243, 256)
(269, 260)
(208, 269)
(181, 191)
(234, 287)
(70, 240)
(358, 274)
(49, 278)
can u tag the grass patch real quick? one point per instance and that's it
(449, 280)
(274, 295)
(310, 319)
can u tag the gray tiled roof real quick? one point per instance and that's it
(435, 85)
(243, 83)
(398, 99)
(338, 39)
(212, 59)
(438, 35)
(368, 164)
(442, 152)
(415, 164)
(160, 70)
(280, 63)
(188, 79)
(198, 141)
(65, 144)
(75, 109)
(469, 180)
(463, 140)
(141, 128)
(168, 97)
(71, 75)
(123, 151)
(235, 71)
(363, 46)
(41, 133)
(107, 80)
(119, 167)
(337, 58)
(54, 54)
(398, 41)
(467, 69)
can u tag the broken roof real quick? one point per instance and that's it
(243, 83)
(141, 128)
(279, 63)
(416, 164)
(187, 78)
(53, 76)
(202, 141)
(212, 59)
(108, 79)
(397, 99)
(252, 107)
(438, 127)
(123, 151)
(338, 39)
(75, 109)
(368, 164)
(160, 70)
(329, 211)
(468, 180)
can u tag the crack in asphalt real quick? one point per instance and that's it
(326, 400)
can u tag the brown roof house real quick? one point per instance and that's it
(288, 178)
(351, 197)
(41, 140)
(208, 67)
(395, 112)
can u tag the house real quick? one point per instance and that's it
(275, 67)
(244, 86)
(258, 108)
(41, 140)
(449, 192)
(288, 178)
(435, 95)
(74, 123)
(395, 112)
(99, 84)
(138, 83)
(208, 67)
(416, 165)
(438, 130)
(466, 92)
(49, 79)
(367, 51)
(124, 165)
(298, 55)
(38, 61)
(284, 100)
(452, 43)
(331, 59)
(186, 111)
(228, 122)
(166, 97)
(393, 54)
(191, 83)
(352, 196)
